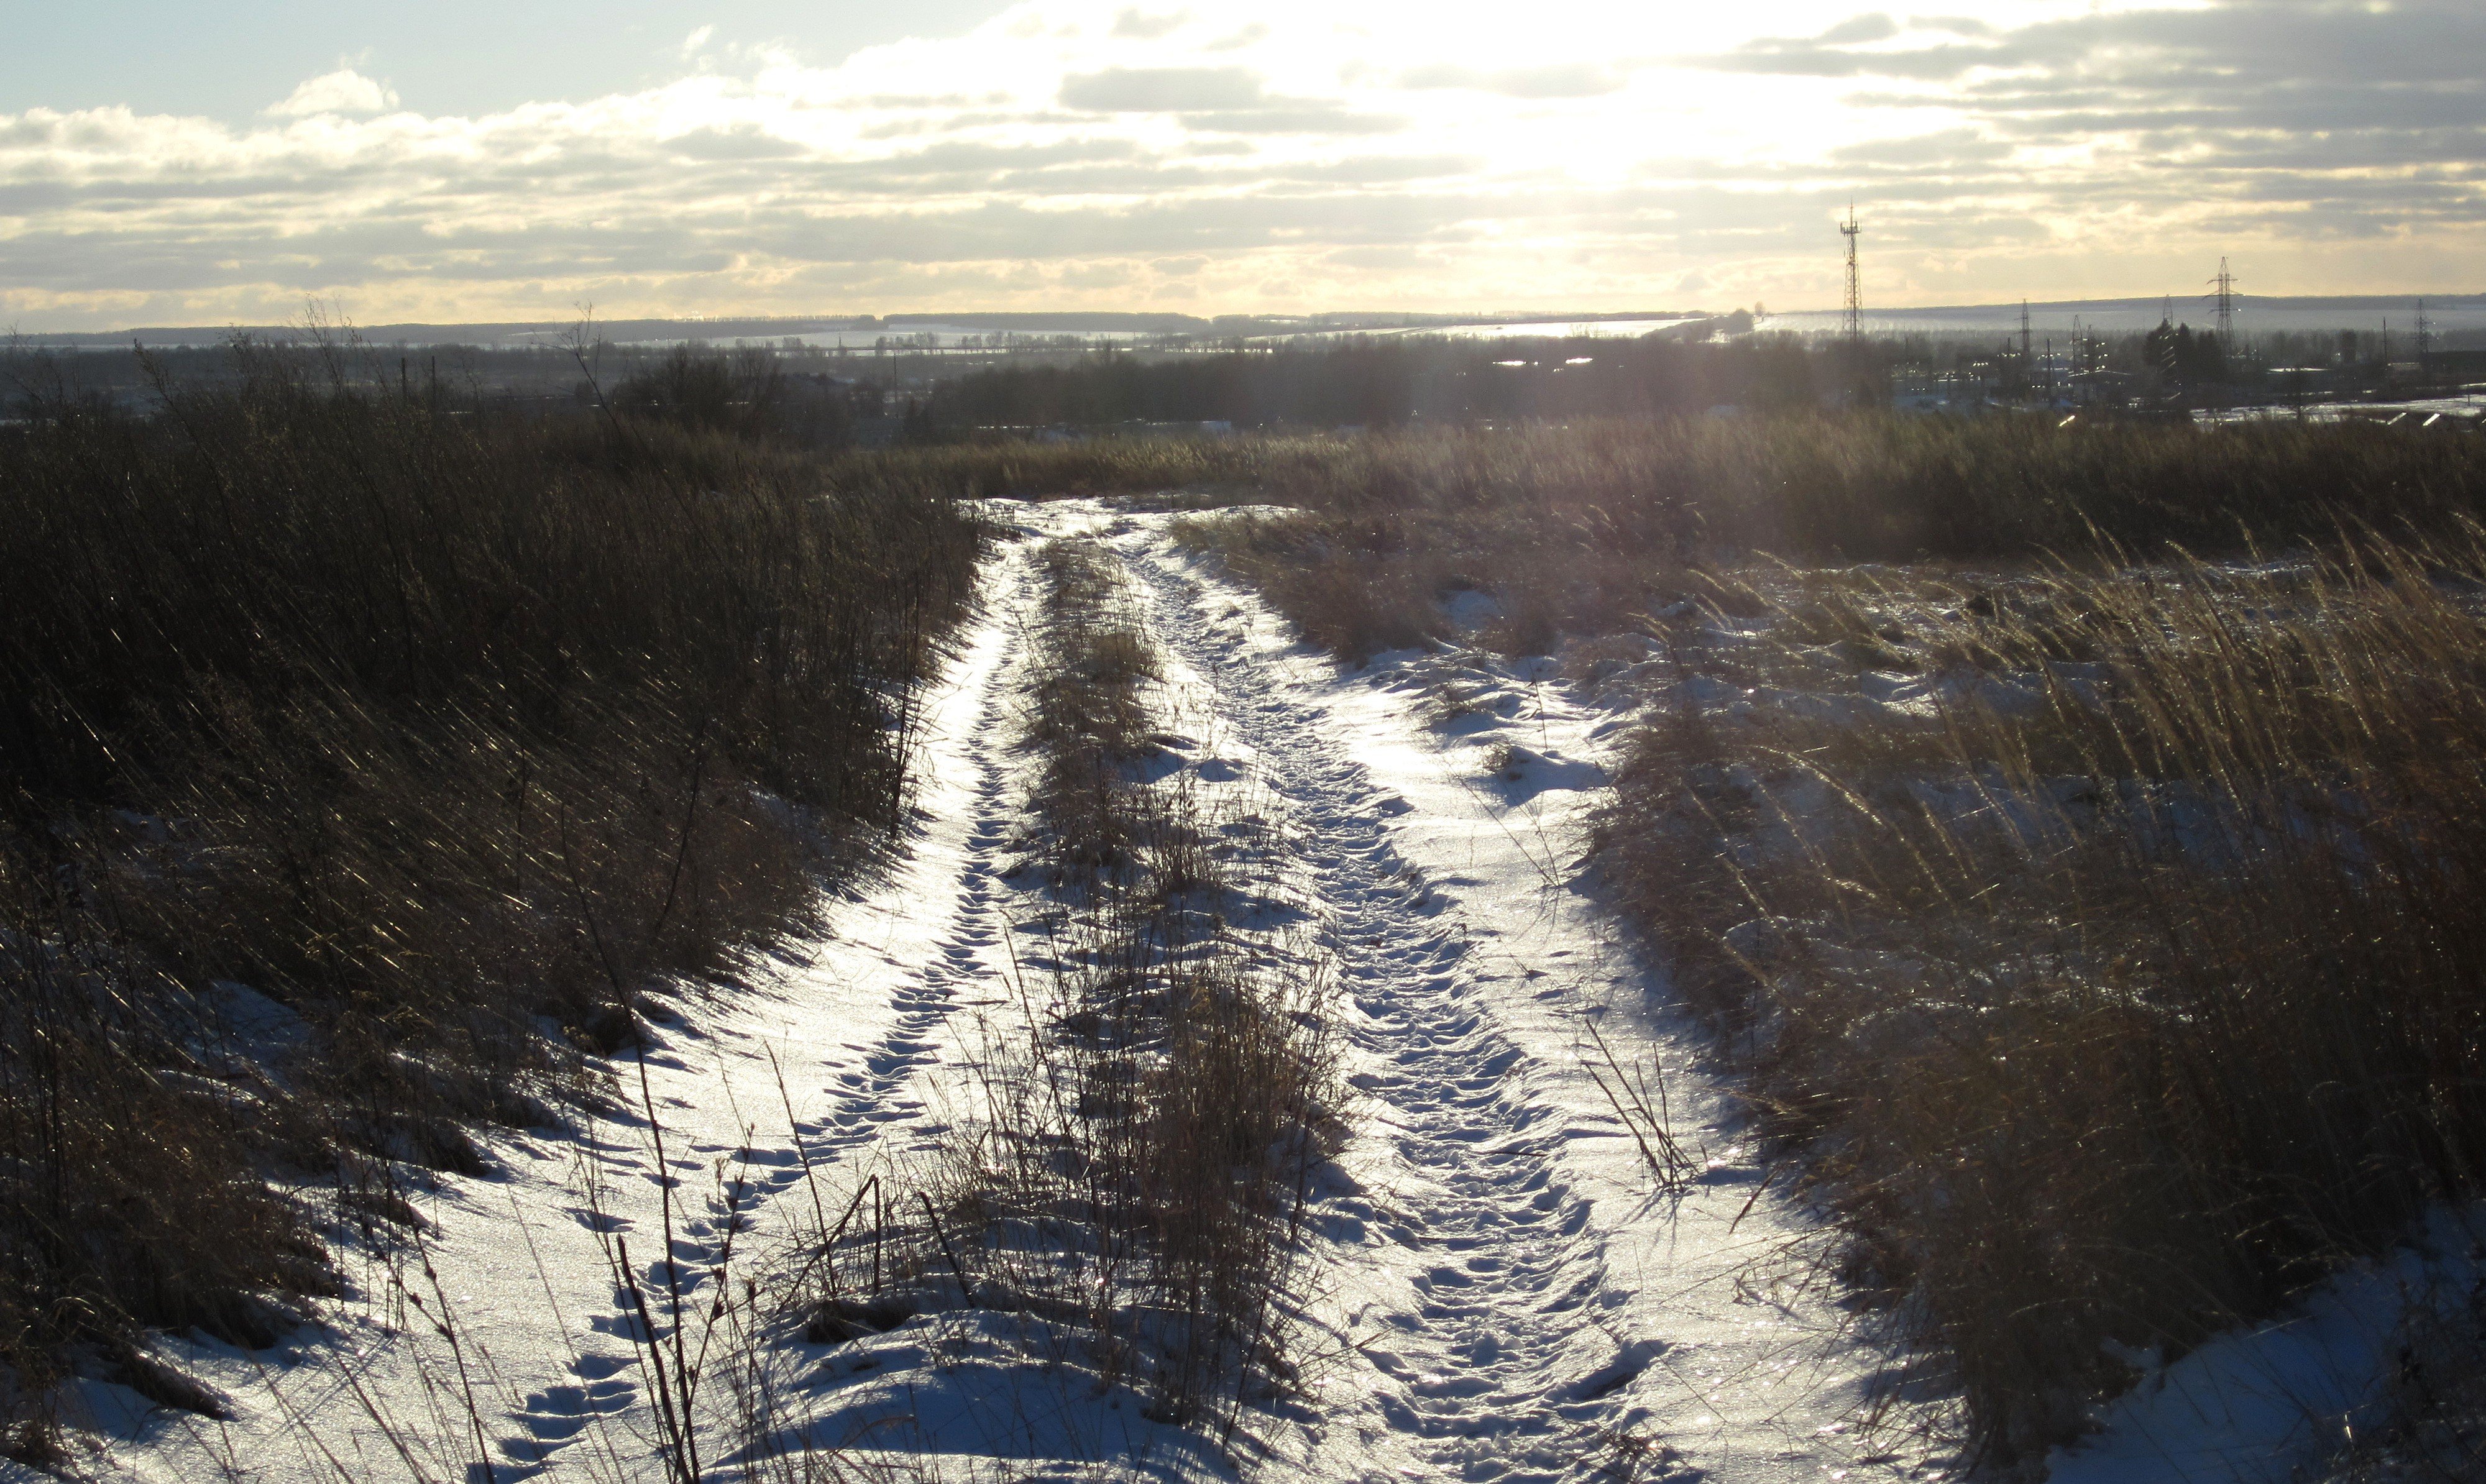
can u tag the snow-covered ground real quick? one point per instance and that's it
(2270, 1402)
(1501, 1286)
(1531, 1304)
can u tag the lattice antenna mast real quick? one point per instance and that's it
(2026, 346)
(2225, 284)
(1855, 283)
(2425, 333)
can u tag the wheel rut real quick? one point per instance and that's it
(1505, 1259)
(874, 1095)
(882, 1088)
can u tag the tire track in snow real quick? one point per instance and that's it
(882, 1095)
(1500, 1372)
(878, 1096)
(1503, 1326)
(1672, 1335)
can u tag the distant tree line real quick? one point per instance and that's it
(747, 392)
(1383, 383)
(2184, 356)
(1388, 382)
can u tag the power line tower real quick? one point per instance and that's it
(2425, 333)
(1855, 283)
(2225, 284)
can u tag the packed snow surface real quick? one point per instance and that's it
(1501, 1286)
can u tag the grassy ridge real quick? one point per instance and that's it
(425, 740)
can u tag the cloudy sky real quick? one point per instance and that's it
(167, 162)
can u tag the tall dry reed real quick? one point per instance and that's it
(421, 728)
(1579, 528)
(2114, 975)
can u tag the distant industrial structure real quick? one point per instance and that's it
(1855, 284)
(2226, 285)
(2176, 370)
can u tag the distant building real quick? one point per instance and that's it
(2103, 389)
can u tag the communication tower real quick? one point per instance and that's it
(1855, 284)
(2024, 333)
(2425, 333)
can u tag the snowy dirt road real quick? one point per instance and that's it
(1532, 1304)
(1500, 1286)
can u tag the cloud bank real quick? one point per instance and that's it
(1073, 155)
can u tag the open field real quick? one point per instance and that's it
(610, 946)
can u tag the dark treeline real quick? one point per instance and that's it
(1376, 382)
(823, 398)
(790, 397)
(1393, 381)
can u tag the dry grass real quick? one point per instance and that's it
(2434, 1428)
(2121, 984)
(1578, 528)
(1151, 1118)
(1874, 487)
(1592, 511)
(1097, 466)
(1353, 600)
(1088, 715)
(131, 1195)
(2113, 986)
(1155, 1101)
(429, 725)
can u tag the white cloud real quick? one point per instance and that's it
(697, 41)
(1162, 89)
(1140, 25)
(1554, 79)
(343, 91)
(1372, 151)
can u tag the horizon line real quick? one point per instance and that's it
(1066, 318)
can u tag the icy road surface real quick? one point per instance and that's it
(1501, 1291)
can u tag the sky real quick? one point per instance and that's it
(168, 163)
